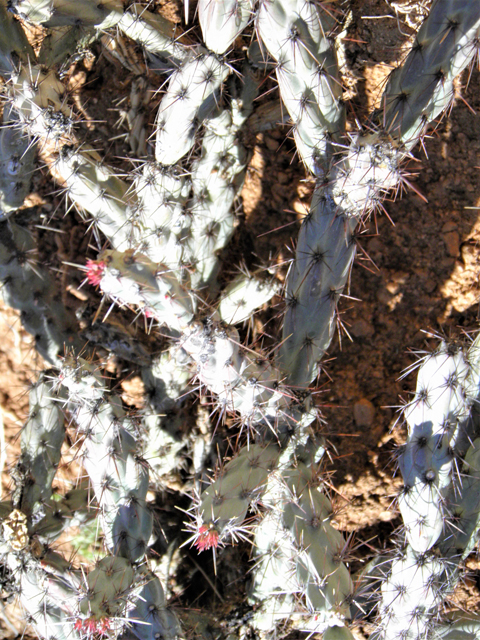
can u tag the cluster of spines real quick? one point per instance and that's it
(37, 97)
(245, 384)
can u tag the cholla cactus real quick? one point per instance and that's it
(161, 229)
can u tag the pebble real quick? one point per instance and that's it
(451, 238)
(271, 143)
(362, 329)
(363, 413)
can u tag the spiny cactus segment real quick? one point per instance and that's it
(30, 288)
(222, 22)
(297, 35)
(298, 541)
(162, 228)
(193, 93)
(434, 417)
(357, 182)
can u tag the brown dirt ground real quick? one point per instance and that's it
(416, 278)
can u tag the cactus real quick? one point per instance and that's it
(434, 418)
(14, 45)
(60, 13)
(160, 230)
(297, 540)
(193, 92)
(296, 35)
(30, 289)
(358, 181)
(17, 156)
(243, 296)
(222, 22)
(41, 441)
(155, 33)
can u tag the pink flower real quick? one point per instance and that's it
(207, 537)
(93, 626)
(95, 271)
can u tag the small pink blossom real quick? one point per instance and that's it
(95, 271)
(93, 626)
(207, 538)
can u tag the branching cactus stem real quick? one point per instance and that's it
(162, 229)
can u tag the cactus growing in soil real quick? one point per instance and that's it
(160, 230)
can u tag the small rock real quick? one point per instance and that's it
(451, 238)
(271, 143)
(361, 329)
(363, 413)
(469, 253)
(450, 225)
(277, 195)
